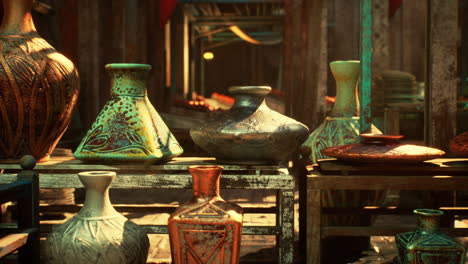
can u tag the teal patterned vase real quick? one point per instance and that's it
(427, 245)
(342, 126)
(128, 128)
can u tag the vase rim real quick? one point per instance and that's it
(345, 62)
(428, 212)
(138, 66)
(97, 174)
(261, 90)
(206, 167)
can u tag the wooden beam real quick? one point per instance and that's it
(365, 90)
(441, 71)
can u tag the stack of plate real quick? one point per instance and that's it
(397, 87)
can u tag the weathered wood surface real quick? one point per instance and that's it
(365, 84)
(10, 243)
(170, 181)
(305, 60)
(441, 93)
(434, 183)
(72, 165)
(430, 167)
(383, 231)
(162, 229)
(314, 223)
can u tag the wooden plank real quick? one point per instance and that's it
(285, 220)
(383, 231)
(393, 210)
(430, 167)
(305, 60)
(169, 181)
(365, 87)
(314, 222)
(441, 93)
(434, 183)
(162, 229)
(182, 163)
(10, 243)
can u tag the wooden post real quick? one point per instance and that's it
(305, 60)
(366, 67)
(441, 86)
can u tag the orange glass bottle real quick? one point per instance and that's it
(206, 229)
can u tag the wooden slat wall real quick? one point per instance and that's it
(441, 95)
(111, 31)
(305, 60)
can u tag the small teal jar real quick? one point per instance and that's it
(427, 245)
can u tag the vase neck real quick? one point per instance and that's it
(129, 82)
(428, 219)
(346, 74)
(97, 202)
(252, 101)
(205, 181)
(17, 18)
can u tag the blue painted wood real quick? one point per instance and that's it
(365, 87)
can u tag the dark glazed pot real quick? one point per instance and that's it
(250, 132)
(427, 244)
(206, 229)
(38, 87)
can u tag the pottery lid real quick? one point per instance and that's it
(382, 149)
(260, 90)
(128, 66)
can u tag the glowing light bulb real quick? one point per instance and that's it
(208, 55)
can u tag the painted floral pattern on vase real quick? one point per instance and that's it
(128, 128)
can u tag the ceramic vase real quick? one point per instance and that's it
(128, 128)
(206, 229)
(342, 126)
(250, 132)
(38, 87)
(98, 233)
(427, 245)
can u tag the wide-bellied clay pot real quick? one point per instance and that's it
(38, 87)
(342, 126)
(206, 229)
(385, 149)
(128, 128)
(459, 145)
(250, 132)
(428, 245)
(98, 233)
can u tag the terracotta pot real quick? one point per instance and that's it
(459, 145)
(128, 128)
(427, 244)
(98, 233)
(250, 132)
(206, 229)
(38, 87)
(342, 126)
(382, 149)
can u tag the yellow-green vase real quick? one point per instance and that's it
(128, 128)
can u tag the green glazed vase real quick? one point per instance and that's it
(427, 245)
(128, 128)
(342, 126)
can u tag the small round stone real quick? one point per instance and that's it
(27, 162)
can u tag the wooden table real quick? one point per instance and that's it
(434, 175)
(61, 173)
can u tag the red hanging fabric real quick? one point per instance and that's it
(394, 5)
(166, 8)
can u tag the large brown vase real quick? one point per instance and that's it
(98, 233)
(207, 229)
(38, 87)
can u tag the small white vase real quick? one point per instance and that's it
(98, 233)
